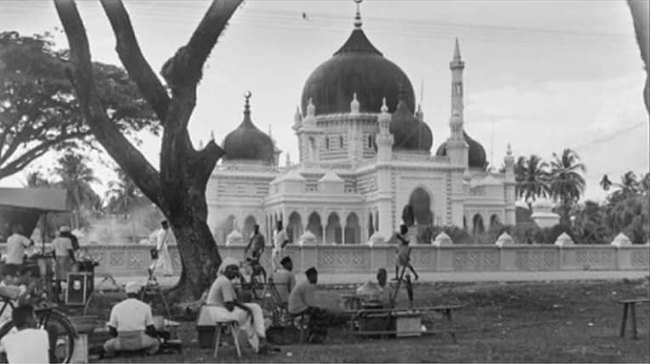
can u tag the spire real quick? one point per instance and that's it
(419, 114)
(247, 108)
(384, 107)
(457, 51)
(212, 135)
(357, 17)
(354, 105)
(297, 118)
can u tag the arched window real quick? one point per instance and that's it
(294, 230)
(327, 143)
(352, 230)
(478, 227)
(341, 142)
(314, 225)
(421, 203)
(369, 141)
(249, 225)
(333, 233)
(371, 225)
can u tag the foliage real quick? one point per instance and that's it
(75, 176)
(428, 233)
(39, 111)
(566, 182)
(531, 176)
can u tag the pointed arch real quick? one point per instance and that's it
(333, 232)
(315, 226)
(227, 226)
(420, 200)
(249, 224)
(352, 229)
(494, 221)
(294, 227)
(478, 226)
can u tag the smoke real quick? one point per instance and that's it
(135, 228)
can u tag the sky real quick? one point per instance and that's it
(540, 75)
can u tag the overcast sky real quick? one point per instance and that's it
(541, 75)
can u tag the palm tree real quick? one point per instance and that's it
(531, 175)
(122, 196)
(645, 184)
(605, 183)
(75, 177)
(567, 183)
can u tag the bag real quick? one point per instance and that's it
(283, 335)
(153, 252)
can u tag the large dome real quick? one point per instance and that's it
(247, 142)
(409, 132)
(476, 153)
(358, 67)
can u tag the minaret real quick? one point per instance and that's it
(457, 148)
(509, 186)
(309, 135)
(385, 142)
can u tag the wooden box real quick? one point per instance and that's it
(408, 324)
(80, 287)
(205, 329)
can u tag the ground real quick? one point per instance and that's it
(568, 321)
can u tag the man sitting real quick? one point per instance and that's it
(376, 292)
(131, 325)
(284, 279)
(26, 344)
(302, 301)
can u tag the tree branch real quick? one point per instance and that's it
(123, 152)
(136, 65)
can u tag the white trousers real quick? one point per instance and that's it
(253, 327)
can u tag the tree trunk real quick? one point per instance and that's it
(639, 10)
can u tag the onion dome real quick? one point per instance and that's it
(476, 153)
(247, 142)
(409, 132)
(357, 67)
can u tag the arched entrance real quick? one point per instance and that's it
(314, 225)
(249, 225)
(421, 203)
(352, 229)
(333, 233)
(294, 229)
(478, 226)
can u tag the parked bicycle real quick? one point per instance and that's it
(258, 277)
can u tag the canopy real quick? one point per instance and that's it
(41, 199)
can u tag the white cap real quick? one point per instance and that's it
(64, 229)
(133, 287)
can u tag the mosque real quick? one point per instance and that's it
(365, 153)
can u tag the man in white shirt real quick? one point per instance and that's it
(131, 325)
(64, 256)
(27, 344)
(280, 242)
(284, 279)
(164, 238)
(16, 245)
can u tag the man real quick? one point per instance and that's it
(63, 256)
(131, 325)
(280, 242)
(223, 305)
(302, 301)
(10, 287)
(403, 252)
(27, 344)
(65, 232)
(284, 279)
(164, 238)
(257, 242)
(376, 291)
(16, 245)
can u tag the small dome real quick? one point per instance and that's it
(409, 132)
(476, 153)
(247, 142)
(358, 67)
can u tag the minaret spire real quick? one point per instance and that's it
(357, 17)
(457, 52)
(457, 66)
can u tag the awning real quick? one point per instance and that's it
(42, 199)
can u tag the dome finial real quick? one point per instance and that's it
(247, 105)
(212, 135)
(457, 51)
(357, 17)
(384, 107)
(509, 152)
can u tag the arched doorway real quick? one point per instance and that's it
(494, 221)
(333, 233)
(294, 229)
(421, 203)
(249, 225)
(352, 229)
(371, 226)
(314, 225)
(478, 226)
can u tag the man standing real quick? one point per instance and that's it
(16, 245)
(284, 279)
(131, 325)
(64, 256)
(280, 242)
(164, 262)
(257, 242)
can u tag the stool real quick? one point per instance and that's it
(233, 327)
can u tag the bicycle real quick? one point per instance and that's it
(258, 278)
(50, 319)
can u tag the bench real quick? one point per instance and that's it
(629, 305)
(447, 311)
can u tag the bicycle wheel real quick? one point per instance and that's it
(258, 285)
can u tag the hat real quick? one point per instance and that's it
(64, 229)
(133, 288)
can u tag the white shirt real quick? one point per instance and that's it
(280, 237)
(26, 346)
(131, 315)
(164, 238)
(62, 246)
(10, 291)
(16, 245)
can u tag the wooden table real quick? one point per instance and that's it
(445, 309)
(630, 305)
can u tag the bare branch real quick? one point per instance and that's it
(123, 152)
(136, 65)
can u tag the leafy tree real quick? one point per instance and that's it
(640, 10)
(566, 182)
(38, 109)
(75, 176)
(590, 224)
(531, 176)
(35, 179)
(178, 189)
(605, 183)
(122, 194)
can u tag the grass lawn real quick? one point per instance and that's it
(501, 322)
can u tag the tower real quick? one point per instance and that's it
(309, 135)
(457, 147)
(510, 185)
